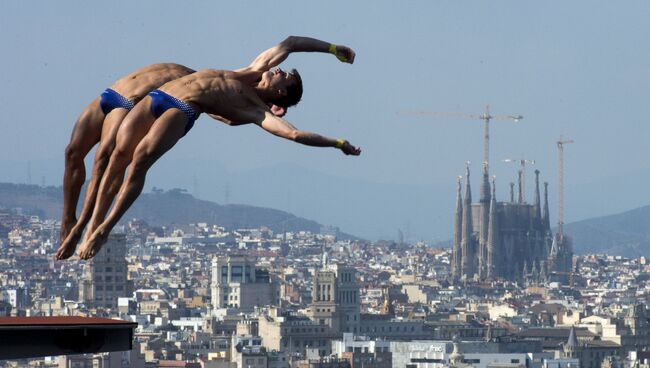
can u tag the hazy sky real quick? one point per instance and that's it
(578, 68)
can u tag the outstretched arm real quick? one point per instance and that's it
(278, 53)
(282, 128)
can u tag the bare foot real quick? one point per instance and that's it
(93, 244)
(69, 245)
(66, 227)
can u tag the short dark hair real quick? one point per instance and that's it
(294, 92)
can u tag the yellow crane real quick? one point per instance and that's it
(486, 117)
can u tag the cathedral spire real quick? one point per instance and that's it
(534, 274)
(542, 272)
(572, 341)
(493, 232)
(525, 270)
(485, 185)
(537, 206)
(545, 215)
(484, 221)
(458, 234)
(467, 244)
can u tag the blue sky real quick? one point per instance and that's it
(576, 68)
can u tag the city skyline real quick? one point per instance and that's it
(202, 293)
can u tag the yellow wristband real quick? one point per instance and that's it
(339, 143)
(332, 50)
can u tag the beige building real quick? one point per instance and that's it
(630, 332)
(105, 277)
(237, 283)
(335, 298)
(293, 334)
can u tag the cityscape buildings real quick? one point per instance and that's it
(206, 296)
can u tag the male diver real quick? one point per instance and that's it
(129, 137)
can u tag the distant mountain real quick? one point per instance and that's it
(162, 208)
(626, 234)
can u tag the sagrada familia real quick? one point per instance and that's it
(507, 240)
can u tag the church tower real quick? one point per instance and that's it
(467, 243)
(456, 262)
(484, 210)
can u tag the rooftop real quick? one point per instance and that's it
(30, 337)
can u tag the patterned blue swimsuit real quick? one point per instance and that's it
(161, 102)
(110, 100)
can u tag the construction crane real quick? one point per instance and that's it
(522, 164)
(560, 164)
(486, 117)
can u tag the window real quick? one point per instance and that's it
(514, 360)
(236, 274)
(109, 269)
(109, 287)
(119, 287)
(423, 360)
(109, 278)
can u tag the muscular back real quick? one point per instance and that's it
(136, 85)
(220, 92)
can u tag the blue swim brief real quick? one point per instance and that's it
(161, 102)
(111, 100)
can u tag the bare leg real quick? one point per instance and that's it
(164, 134)
(103, 154)
(85, 135)
(134, 127)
